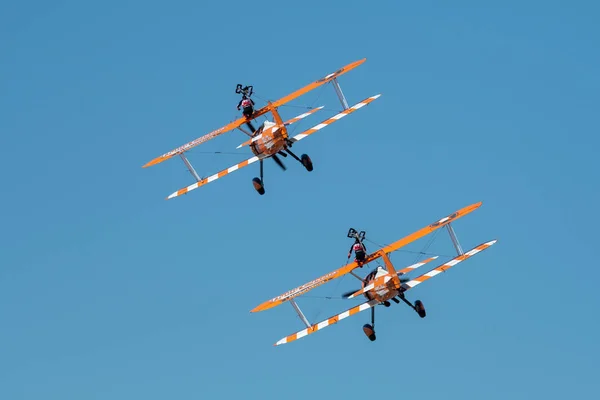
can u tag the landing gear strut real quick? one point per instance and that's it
(258, 182)
(304, 160)
(369, 330)
(418, 306)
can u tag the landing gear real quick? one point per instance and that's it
(370, 332)
(258, 182)
(258, 185)
(369, 329)
(418, 306)
(307, 162)
(304, 160)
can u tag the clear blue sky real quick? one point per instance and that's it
(108, 291)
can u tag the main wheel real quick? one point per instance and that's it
(420, 308)
(307, 162)
(369, 331)
(258, 185)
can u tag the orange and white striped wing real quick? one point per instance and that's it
(336, 117)
(301, 116)
(214, 177)
(446, 266)
(326, 79)
(329, 321)
(411, 268)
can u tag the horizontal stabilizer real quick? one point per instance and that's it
(415, 266)
(291, 121)
(382, 280)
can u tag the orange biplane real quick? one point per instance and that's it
(382, 284)
(271, 138)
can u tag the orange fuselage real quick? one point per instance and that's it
(271, 140)
(382, 291)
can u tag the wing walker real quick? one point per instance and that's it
(382, 284)
(271, 138)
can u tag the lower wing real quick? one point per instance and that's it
(444, 267)
(214, 177)
(329, 321)
(336, 117)
(364, 306)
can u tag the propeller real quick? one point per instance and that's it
(278, 162)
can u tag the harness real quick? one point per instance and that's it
(246, 103)
(357, 247)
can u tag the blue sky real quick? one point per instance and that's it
(108, 291)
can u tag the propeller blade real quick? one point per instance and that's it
(347, 294)
(278, 162)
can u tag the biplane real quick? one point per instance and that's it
(271, 138)
(382, 284)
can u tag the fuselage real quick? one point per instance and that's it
(382, 291)
(271, 140)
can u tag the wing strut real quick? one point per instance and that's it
(190, 167)
(340, 94)
(300, 313)
(454, 239)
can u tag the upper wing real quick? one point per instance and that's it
(310, 87)
(349, 267)
(364, 306)
(424, 231)
(232, 125)
(213, 177)
(336, 117)
(257, 113)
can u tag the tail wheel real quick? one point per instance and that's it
(258, 185)
(307, 162)
(420, 308)
(370, 332)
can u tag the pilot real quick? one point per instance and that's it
(248, 105)
(359, 251)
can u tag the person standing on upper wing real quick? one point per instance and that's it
(360, 252)
(248, 105)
